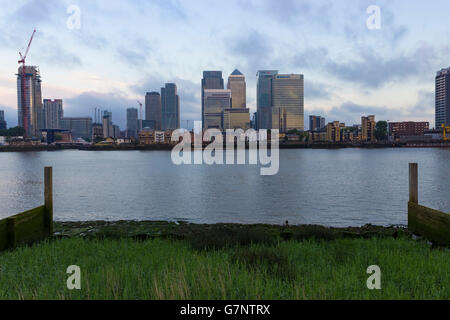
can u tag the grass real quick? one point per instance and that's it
(252, 269)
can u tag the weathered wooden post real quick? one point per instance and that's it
(413, 183)
(48, 195)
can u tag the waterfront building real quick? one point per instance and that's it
(288, 102)
(236, 119)
(316, 123)
(264, 98)
(149, 124)
(3, 124)
(132, 123)
(368, 125)
(53, 113)
(153, 109)
(170, 107)
(80, 127)
(333, 131)
(216, 101)
(97, 131)
(108, 131)
(30, 112)
(116, 132)
(407, 128)
(442, 99)
(211, 80)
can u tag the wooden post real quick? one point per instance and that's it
(48, 195)
(413, 183)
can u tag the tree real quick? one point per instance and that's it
(13, 132)
(381, 130)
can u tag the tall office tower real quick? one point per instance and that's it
(3, 124)
(170, 107)
(368, 125)
(236, 83)
(264, 98)
(238, 117)
(211, 80)
(216, 101)
(53, 113)
(287, 102)
(81, 127)
(442, 98)
(153, 110)
(30, 108)
(108, 130)
(316, 123)
(132, 123)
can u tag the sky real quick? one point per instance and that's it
(108, 54)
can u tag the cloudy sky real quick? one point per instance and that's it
(124, 48)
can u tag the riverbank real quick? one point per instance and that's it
(162, 147)
(161, 260)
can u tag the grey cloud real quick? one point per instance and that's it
(52, 52)
(316, 90)
(252, 48)
(85, 103)
(373, 70)
(132, 57)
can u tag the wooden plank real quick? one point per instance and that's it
(429, 223)
(48, 195)
(413, 183)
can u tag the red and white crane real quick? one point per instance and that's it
(24, 106)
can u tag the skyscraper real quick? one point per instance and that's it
(132, 123)
(238, 116)
(211, 80)
(264, 98)
(153, 110)
(30, 113)
(216, 101)
(53, 113)
(81, 127)
(3, 124)
(442, 98)
(316, 123)
(108, 130)
(236, 83)
(170, 107)
(287, 102)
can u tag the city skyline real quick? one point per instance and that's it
(388, 72)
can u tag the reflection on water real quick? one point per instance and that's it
(329, 187)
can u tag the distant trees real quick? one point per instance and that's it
(13, 132)
(381, 130)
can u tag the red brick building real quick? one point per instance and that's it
(407, 129)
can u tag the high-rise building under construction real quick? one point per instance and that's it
(29, 100)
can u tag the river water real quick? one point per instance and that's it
(344, 187)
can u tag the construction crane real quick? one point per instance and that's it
(445, 132)
(25, 112)
(140, 115)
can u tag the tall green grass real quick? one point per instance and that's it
(169, 269)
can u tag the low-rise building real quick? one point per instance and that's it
(333, 131)
(407, 129)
